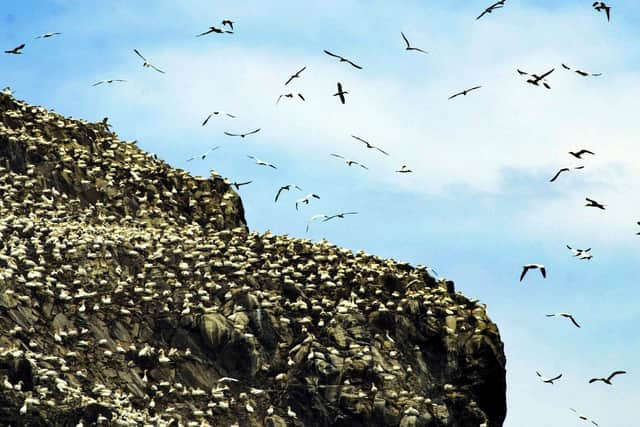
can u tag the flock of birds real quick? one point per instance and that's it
(535, 79)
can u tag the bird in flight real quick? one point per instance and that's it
(564, 170)
(228, 22)
(339, 215)
(584, 418)
(349, 161)
(146, 63)
(313, 219)
(600, 6)
(409, 47)
(214, 30)
(593, 204)
(306, 199)
(608, 379)
(287, 188)
(290, 95)
(217, 113)
(343, 59)
(369, 145)
(536, 79)
(341, 93)
(239, 184)
(16, 50)
(242, 135)
(578, 154)
(203, 155)
(404, 169)
(638, 234)
(581, 72)
(47, 35)
(109, 81)
(295, 76)
(528, 267)
(548, 380)
(496, 5)
(567, 316)
(464, 92)
(581, 253)
(262, 162)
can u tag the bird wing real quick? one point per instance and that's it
(205, 33)
(566, 67)
(608, 11)
(546, 74)
(613, 374)
(341, 96)
(231, 115)
(524, 272)
(98, 83)
(456, 94)
(484, 12)
(333, 54)
(279, 98)
(156, 68)
(353, 64)
(21, 46)
(382, 151)
(278, 193)
(418, 49)
(191, 159)
(252, 132)
(231, 134)
(315, 196)
(207, 119)
(544, 272)
(140, 55)
(573, 321)
(289, 80)
(522, 73)
(550, 315)
(556, 378)
(337, 155)
(360, 139)
(558, 174)
(593, 380)
(361, 165)
(585, 152)
(474, 88)
(301, 97)
(405, 40)
(329, 218)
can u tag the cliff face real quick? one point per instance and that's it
(132, 293)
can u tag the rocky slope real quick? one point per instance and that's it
(132, 293)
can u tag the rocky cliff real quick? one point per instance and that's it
(133, 294)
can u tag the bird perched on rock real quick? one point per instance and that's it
(608, 379)
(528, 267)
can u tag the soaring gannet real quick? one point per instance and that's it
(528, 267)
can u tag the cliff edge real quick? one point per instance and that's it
(132, 293)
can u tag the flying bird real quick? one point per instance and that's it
(313, 219)
(242, 135)
(341, 93)
(287, 188)
(146, 63)
(600, 6)
(567, 316)
(306, 199)
(536, 79)
(369, 145)
(528, 267)
(339, 215)
(564, 170)
(349, 161)
(295, 76)
(343, 59)
(578, 154)
(593, 204)
(214, 30)
(464, 92)
(239, 184)
(228, 22)
(608, 379)
(581, 72)
(496, 5)
(203, 155)
(290, 95)
(109, 81)
(580, 253)
(404, 169)
(638, 234)
(409, 47)
(584, 418)
(47, 35)
(16, 50)
(217, 113)
(262, 162)
(548, 380)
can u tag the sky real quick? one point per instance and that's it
(478, 205)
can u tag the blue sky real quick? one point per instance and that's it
(478, 205)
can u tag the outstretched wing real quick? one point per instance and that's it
(140, 55)
(405, 40)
